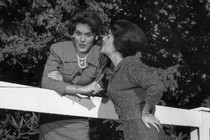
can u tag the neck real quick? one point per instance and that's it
(116, 59)
(81, 55)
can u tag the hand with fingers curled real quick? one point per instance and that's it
(93, 88)
(149, 119)
(55, 75)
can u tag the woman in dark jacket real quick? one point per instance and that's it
(134, 87)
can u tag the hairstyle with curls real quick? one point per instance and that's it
(128, 38)
(88, 17)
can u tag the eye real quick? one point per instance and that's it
(77, 33)
(89, 34)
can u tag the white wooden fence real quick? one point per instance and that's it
(26, 98)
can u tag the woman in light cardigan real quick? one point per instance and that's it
(73, 68)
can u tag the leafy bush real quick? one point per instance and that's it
(17, 125)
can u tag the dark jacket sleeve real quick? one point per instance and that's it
(53, 64)
(147, 78)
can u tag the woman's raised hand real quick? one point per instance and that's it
(94, 88)
(55, 75)
(149, 119)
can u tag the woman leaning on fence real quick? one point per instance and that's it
(73, 68)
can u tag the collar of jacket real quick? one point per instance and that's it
(70, 53)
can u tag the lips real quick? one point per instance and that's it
(83, 46)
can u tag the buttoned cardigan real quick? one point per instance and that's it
(63, 58)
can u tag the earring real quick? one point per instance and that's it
(71, 36)
(96, 38)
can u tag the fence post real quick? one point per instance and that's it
(204, 124)
(194, 134)
(204, 127)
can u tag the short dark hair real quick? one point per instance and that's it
(86, 17)
(128, 38)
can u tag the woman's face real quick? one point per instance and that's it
(108, 46)
(83, 38)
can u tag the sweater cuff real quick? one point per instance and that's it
(61, 87)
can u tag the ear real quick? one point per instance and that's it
(71, 37)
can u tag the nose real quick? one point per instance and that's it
(82, 38)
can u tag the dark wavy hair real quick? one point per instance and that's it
(88, 17)
(128, 38)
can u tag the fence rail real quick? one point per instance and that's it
(27, 98)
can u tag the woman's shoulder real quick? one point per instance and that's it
(133, 60)
(64, 44)
(63, 50)
(135, 63)
(62, 47)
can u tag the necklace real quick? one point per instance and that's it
(82, 61)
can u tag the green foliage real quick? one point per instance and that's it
(176, 133)
(207, 6)
(18, 125)
(206, 102)
(105, 130)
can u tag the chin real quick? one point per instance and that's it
(102, 51)
(83, 50)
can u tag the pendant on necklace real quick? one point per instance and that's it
(82, 62)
